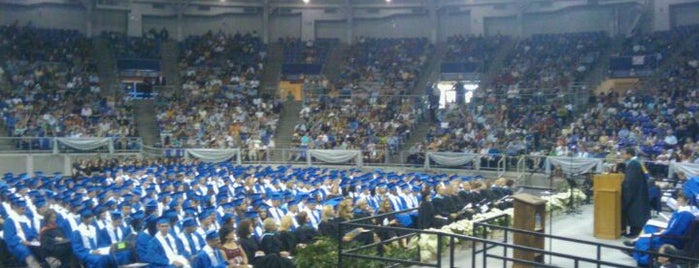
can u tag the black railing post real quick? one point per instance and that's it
(451, 251)
(485, 253)
(439, 250)
(599, 256)
(339, 246)
(504, 263)
(473, 253)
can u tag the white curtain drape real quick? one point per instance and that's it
(214, 155)
(84, 144)
(449, 158)
(336, 156)
(689, 169)
(574, 165)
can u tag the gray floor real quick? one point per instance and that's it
(577, 226)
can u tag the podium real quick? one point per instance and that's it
(530, 215)
(607, 190)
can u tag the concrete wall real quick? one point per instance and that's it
(684, 14)
(587, 19)
(313, 22)
(45, 16)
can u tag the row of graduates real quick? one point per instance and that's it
(152, 240)
(115, 217)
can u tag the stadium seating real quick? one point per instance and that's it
(55, 90)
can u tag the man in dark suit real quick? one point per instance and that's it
(635, 208)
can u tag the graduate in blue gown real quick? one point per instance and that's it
(19, 233)
(211, 255)
(143, 238)
(678, 225)
(85, 246)
(164, 250)
(114, 233)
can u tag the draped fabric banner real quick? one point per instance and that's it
(84, 144)
(337, 156)
(450, 159)
(215, 155)
(689, 169)
(574, 165)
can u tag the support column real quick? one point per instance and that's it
(30, 164)
(89, 20)
(67, 166)
(266, 10)
(435, 28)
(349, 13)
(520, 21)
(180, 22)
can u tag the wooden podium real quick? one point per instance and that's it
(530, 215)
(607, 190)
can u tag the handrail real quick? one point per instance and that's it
(580, 241)
(488, 244)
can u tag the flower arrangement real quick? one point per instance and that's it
(428, 242)
(560, 200)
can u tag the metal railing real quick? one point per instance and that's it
(599, 248)
(485, 250)
(345, 253)
(53, 145)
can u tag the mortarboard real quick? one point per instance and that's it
(86, 213)
(116, 215)
(211, 235)
(226, 217)
(163, 220)
(138, 215)
(189, 222)
(251, 214)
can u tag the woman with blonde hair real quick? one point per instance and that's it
(286, 236)
(328, 225)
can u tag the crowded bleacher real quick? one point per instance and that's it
(368, 106)
(220, 73)
(55, 90)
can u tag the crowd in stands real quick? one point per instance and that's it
(366, 108)
(478, 50)
(658, 116)
(251, 214)
(220, 73)
(145, 47)
(550, 61)
(55, 90)
(309, 52)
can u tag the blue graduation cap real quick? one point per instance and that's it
(173, 203)
(86, 213)
(190, 211)
(163, 220)
(170, 214)
(294, 202)
(226, 217)
(204, 214)
(116, 215)
(263, 206)
(138, 215)
(333, 202)
(189, 222)
(251, 214)
(211, 235)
